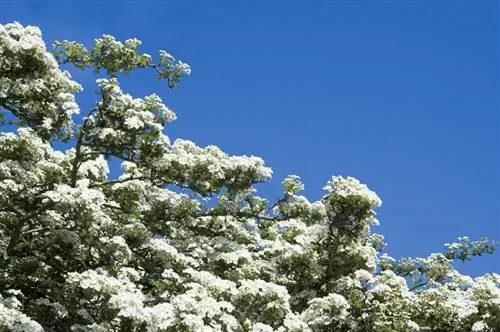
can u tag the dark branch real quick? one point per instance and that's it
(78, 148)
(418, 286)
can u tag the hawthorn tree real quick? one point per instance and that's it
(180, 241)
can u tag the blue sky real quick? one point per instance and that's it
(403, 96)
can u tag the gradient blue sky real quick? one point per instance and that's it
(403, 96)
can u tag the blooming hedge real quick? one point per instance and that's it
(179, 240)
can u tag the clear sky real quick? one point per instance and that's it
(402, 95)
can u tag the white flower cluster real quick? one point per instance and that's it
(12, 318)
(167, 58)
(347, 187)
(41, 97)
(205, 169)
(325, 310)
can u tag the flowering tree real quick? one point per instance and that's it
(179, 241)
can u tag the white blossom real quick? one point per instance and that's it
(350, 186)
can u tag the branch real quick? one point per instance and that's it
(419, 285)
(278, 202)
(14, 239)
(107, 183)
(78, 149)
(238, 214)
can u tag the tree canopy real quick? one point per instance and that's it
(179, 240)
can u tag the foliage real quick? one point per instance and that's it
(179, 241)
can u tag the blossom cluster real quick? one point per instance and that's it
(32, 86)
